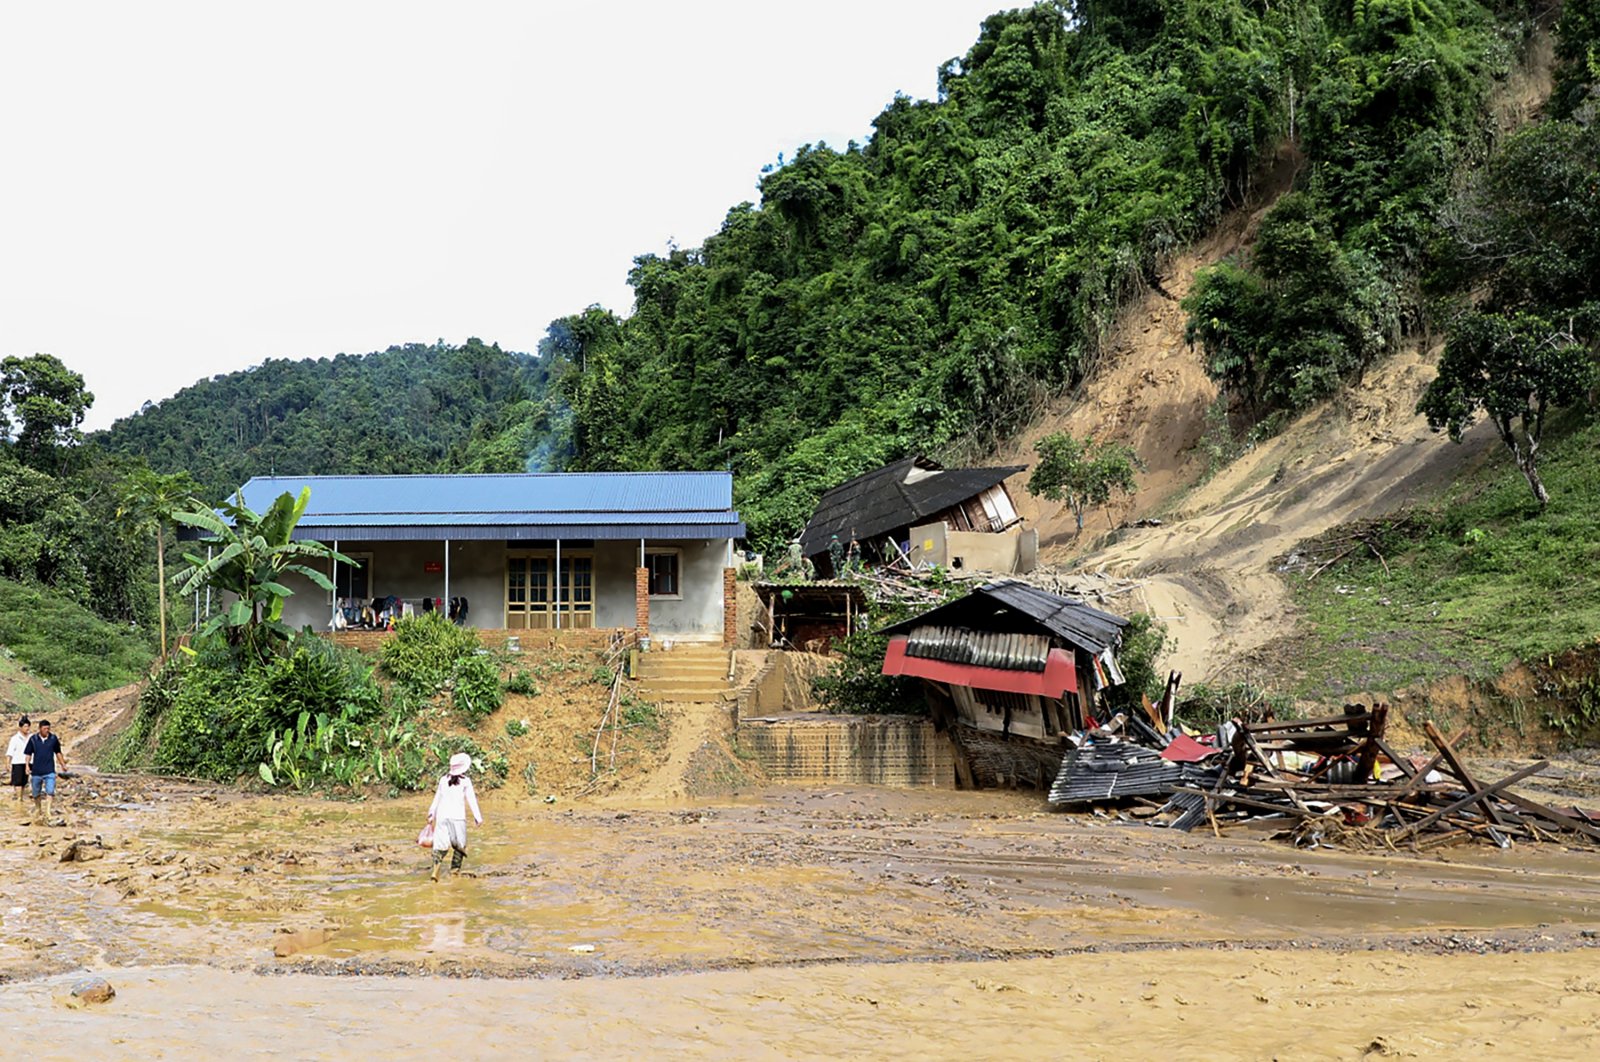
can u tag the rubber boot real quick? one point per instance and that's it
(457, 857)
(438, 861)
(49, 811)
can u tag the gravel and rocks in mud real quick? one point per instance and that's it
(763, 908)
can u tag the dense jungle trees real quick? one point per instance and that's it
(922, 291)
(437, 408)
(1521, 237)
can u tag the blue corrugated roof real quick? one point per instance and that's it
(690, 504)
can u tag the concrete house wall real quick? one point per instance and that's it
(478, 572)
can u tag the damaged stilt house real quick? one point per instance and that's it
(915, 513)
(1011, 672)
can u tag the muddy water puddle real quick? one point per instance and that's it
(783, 876)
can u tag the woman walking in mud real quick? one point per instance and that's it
(448, 813)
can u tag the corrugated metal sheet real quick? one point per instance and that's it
(595, 505)
(1111, 771)
(498, 532)
(456, 496)
(1017, 652)
(1004, 604)
(882, 500)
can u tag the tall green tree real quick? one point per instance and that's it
(44, 404)
(1515, 368)
(251, 555)
(1081, 472)
(150, 502)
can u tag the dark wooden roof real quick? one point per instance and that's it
(881, 500)
(1010, 606)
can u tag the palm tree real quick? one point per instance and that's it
(151, 500)
(255, 552)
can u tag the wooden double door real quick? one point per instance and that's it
(536, 593)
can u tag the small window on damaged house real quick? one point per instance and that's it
(663, 574)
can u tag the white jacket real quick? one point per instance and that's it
(452, 801)
(18, 749)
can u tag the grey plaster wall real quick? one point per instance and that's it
(478, 572)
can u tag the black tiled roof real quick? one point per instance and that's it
(1009, 605)
(881, 500)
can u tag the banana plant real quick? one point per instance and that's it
(251, 555)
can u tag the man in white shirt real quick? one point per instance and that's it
(17, 756)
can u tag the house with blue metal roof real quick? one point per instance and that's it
(647, 550)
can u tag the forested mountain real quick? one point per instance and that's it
(923, 289)
(468, 408)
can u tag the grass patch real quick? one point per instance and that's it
(63, 642)
(1477, 581)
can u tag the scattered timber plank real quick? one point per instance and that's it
(1447, 747)
(1396, 759)
(1551, 815)
(1483, 794)
(1234, 798)
(1416, 779)
(1310, 724)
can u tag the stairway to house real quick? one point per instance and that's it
(685, 674)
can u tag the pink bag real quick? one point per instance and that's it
(425, 838)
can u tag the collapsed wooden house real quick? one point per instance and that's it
(919, 513)
(1011, 673)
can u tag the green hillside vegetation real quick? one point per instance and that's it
(439, 408)
(922, 291)
(1470, 584)
(59, 640)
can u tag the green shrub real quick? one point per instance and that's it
(1142, 642)
(522, 682)
(516, 727)
(475, 686)
(423, 652)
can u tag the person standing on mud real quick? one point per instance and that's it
(17, 756)
(43, 749)
(451, 801)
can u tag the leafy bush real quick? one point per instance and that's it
(516, 727)
(424, 650)
(522, 682)
(491, 765)
(475, 686)
(1142, 643)
(1205, 706)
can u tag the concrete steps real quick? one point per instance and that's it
(686, 675)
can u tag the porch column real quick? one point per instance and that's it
(333, 568)
(447, 576)
(559, 585)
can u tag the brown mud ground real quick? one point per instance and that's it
(787, 922)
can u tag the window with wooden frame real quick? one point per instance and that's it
(666, 572)
(537, 597)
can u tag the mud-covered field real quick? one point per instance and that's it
(932, 924)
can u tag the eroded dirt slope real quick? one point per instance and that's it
(1208, 570)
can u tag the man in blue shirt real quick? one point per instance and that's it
(43, 750)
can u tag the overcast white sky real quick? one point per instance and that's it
(189, 188)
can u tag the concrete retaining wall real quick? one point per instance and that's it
(863, 750)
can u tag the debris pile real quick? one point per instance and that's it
(1333, 782)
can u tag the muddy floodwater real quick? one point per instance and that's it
(785, 923)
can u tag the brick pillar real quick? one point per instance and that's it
(730, 609)
(641, 601)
